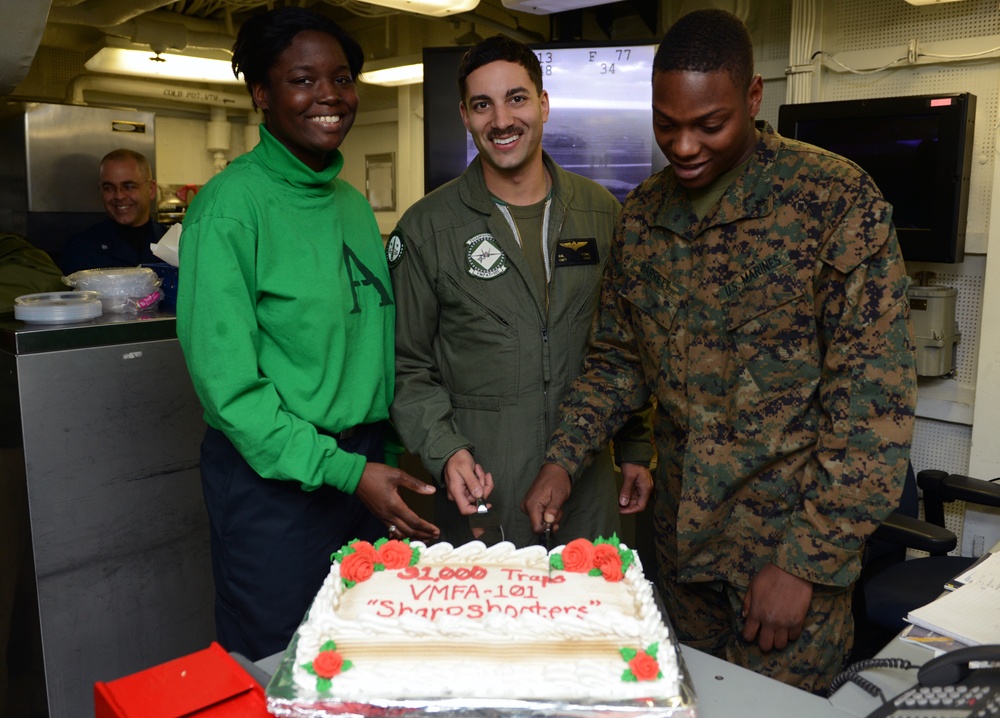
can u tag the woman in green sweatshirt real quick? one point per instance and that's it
(285, 314)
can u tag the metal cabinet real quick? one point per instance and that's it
(110, 429)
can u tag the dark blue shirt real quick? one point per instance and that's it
(106, 244)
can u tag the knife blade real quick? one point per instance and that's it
(485, 524)
(545, 538)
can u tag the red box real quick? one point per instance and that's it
(205, 683)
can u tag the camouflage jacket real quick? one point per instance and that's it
(775, 336)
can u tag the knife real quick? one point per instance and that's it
(485, 524)
(545, 538)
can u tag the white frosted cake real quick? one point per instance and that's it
(400, 624)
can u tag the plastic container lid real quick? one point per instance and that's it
(121, 288)
(58, 307)
(116, 281)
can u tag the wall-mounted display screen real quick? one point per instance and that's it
(918, 149)
(600, 118)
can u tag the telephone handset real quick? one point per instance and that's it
(948, 686)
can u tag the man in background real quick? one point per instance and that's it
(122, 240)
(756, 289)
(496, 276)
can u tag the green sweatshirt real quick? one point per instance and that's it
(285, 314)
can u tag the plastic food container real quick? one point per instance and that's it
(58, 307)
(122, 289)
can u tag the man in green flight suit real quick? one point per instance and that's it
(756, 289)
(496, 278)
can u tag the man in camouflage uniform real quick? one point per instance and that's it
(756, 288)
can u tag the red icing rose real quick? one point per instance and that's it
(578, 556)
(328, 664)
(363, 547)
(607, 558)
(644, 667)
(395, 554)
(358, 566)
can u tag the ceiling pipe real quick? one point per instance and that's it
(162, 35)
(525, 36)
(104, 13)
(164, 92)
(20, 42)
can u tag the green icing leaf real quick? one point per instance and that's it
(556, 562)
(345, 550)
(323, 685)
(346, 665)
(378, 543)
(594, 572)
(628, 653)
(308, 668)
(415, 558)
(378, 567)
(350, 584)
(328, 646)
(613, 540)
(628, 676)
(653, 648)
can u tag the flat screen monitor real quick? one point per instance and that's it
(918, 149)
(600, 118)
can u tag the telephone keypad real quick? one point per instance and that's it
(960, 700)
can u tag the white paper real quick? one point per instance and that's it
(970, 614)
(985, 572)
(168, 248)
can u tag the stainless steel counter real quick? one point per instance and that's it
(104, 429)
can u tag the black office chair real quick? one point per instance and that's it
(890, 586)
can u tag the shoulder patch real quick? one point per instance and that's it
(394, 249)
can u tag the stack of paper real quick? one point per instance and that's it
(970, 613)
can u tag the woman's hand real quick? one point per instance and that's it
(379, 491)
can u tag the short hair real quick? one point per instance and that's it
(264, 36)
(122, 153)
(707, 40)
(492, 49)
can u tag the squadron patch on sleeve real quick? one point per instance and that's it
(394, 249)
(486, 259)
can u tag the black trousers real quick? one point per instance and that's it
(271, 542)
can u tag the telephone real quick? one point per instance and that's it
(948, 686)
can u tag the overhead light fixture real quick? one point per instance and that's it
(435, 8)
(548, 7)
(394, 71)
(121, 58)
(928, 2)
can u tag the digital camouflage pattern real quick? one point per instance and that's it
(713, 624)
(775, 336)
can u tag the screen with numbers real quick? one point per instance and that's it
(600, 116)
